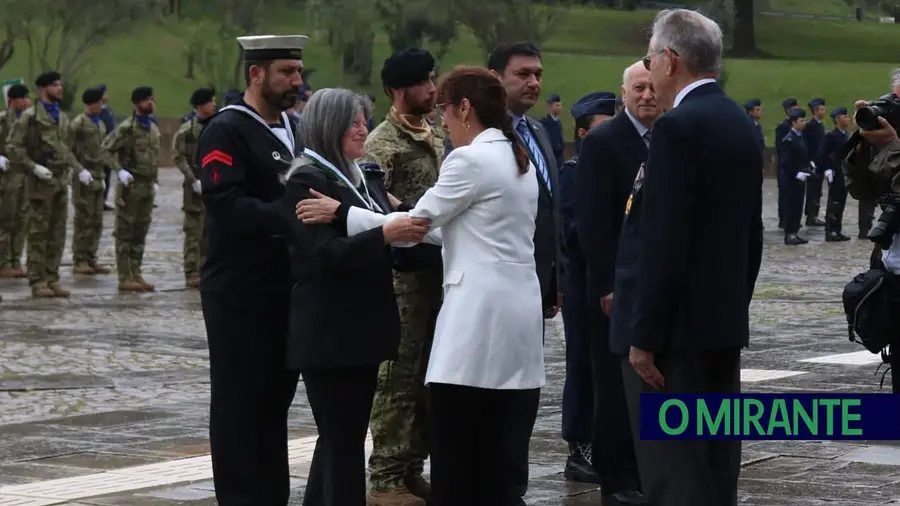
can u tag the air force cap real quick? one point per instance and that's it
(273, 47)
(788, 103)
(553, 99)
(750, 104)
(600, 102)
(838, 111)
(816, 102)
(796, 114)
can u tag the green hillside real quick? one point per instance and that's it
(840, 61)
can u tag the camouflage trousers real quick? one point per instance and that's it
(88, 203)
(194, 246)
(400, 409)
(134, 213)
(13, 211)
(48, 204)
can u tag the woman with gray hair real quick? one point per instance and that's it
(344, 319)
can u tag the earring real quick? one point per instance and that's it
(466, 125)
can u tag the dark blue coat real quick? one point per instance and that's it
(555, 134)
(780, 131)
(830, 145)
(794, 155)
(813, 135)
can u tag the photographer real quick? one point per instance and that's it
(872, 173)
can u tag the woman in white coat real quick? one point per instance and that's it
(487, 364)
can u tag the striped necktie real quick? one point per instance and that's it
(647, 138)
(536, 154)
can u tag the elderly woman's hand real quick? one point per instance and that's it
(318, 210)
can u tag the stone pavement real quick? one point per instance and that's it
(103, 397)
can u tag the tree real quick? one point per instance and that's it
(62, 34)
(213, 50)
(496, 22)
(410, 23)
(349, 25)
(10, 29)
(744, 35)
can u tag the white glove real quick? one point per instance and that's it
(4, 163)
(812, 165)
(155, 189)
(197, 188)
(801, 176)
(104, 183)
(85, 177)
(125, 177)
(829, 175)
(42, 172)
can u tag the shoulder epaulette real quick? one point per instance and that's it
(788, 138)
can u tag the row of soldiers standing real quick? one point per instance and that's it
(43, 152)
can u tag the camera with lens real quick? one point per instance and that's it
(887, 107)
(888, 223)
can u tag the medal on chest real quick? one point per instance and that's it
(638, 182)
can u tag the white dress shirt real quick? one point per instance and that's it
(689, 88)
(490, 328)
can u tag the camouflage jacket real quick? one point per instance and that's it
(36, 139)
(85, 140)
(184, 150)
(135, 148)
(7, 118)
(411, 161)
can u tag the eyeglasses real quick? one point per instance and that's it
(646, 59)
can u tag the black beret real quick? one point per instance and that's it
(47, 78)
(141, 93)
(202, 96)
(92, 96)
(17, 91)
(406, 68)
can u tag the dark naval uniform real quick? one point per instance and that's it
(245, 290)
(813, 135)
(837, 187)
(555, 132)
(794, 170)
(780, 132)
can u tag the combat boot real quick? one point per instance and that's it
(59, 291)
(193, 282)
(99, 269)
(130, 285)
(42, 291)
(147, 286)
(84, 269)
(397, 497)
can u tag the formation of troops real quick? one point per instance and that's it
(44, 153)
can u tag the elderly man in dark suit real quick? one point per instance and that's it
(519, 68)
(684, 282)
(609, 161)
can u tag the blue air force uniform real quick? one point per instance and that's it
(555, 132)
(813, 135)
(794, 169)
(780, 132)
(837, 187)
(760, 136)
(578, 392)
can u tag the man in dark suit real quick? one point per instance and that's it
(684, 282)
(519, 68)
(553, 126)
(607, 165)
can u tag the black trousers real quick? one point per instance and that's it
(780, 180)
(252, 391)
(613, 445)
(107, 174)
(479, 438)
(866, 216)
(837, 201)
(813, 196)
(341, 402)
(578, 390)
(688, 473)
(794, 193)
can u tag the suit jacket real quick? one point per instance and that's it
(607, 165)
(548, 232)
(699, 241)
(343, 310)
(489, 332)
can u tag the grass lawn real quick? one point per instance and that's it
(588, 52)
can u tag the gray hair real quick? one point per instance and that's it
(626, 76)
(895, 78)
(329, 113)
(696, 38)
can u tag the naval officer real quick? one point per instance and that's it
(245, 283)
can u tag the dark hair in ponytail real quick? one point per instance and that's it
(488, 99)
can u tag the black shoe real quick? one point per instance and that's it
(107, 207)
(578, 465)
(814, 222)
(863, 235)
(623, 497)
(781, 224)
(794, 240)
(836, 237)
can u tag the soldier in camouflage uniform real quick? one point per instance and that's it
(410, 153)
(86, 134)
(13, 204)
(134, 146)
(37, 143)
(184, 154)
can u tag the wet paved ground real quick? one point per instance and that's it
(111, 391)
